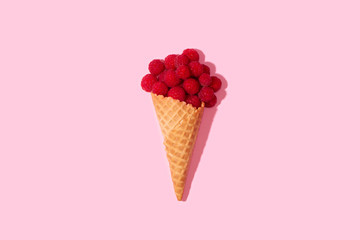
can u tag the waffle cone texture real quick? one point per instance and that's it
(179, 123)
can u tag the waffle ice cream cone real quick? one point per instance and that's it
(179, 123)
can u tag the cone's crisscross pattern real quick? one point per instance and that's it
(179, 123)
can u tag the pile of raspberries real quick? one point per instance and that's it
(182, 77)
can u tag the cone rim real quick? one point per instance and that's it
(181, 102)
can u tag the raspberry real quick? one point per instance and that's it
(160, 88)
(171, 79)
(177, 93)
(193, 100)
(161, 76)
(212, 102)
(205, 80)
(196, 68)
(147, 82)
(206, 69)
(170, 61)
(206, 94)
(192, 54)
(156, 66)
(183, 72)
(181, 60)
(216, 83)
(191, 86)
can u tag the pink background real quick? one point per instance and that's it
(81, 153)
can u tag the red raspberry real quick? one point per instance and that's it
(192, 54)
(205, 80)
(161, 76)
(160, 88)
(170, 61)
(183, 72)
(147, 82)
(191, 86)
(206, 69)
(206, 94)
(196, 68)
(177, 93)
(212, 102)
(216, 83)
(193, 100)
(171, 79)
(181, 60)
(156, 66)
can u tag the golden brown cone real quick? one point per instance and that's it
(179, 123)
